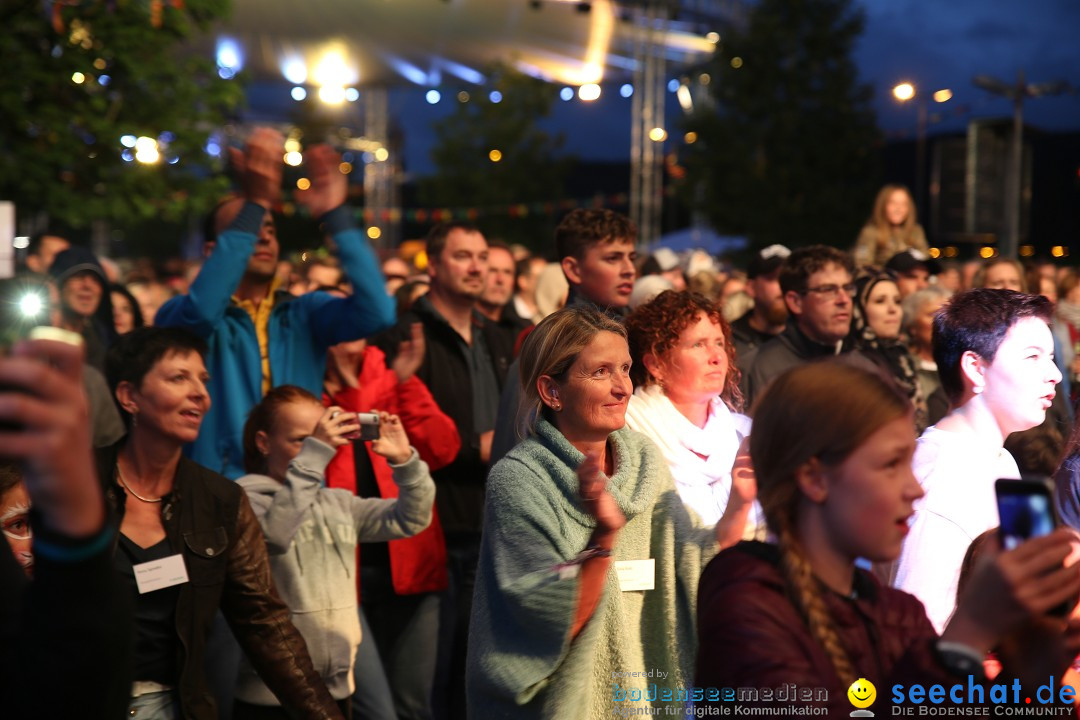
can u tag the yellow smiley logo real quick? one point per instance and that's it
(862, 693)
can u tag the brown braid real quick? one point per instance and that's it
(804, 591)
(823, 412)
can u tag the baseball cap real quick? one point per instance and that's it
(908, 260)
(767, 261)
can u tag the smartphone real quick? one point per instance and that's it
(1025, 508)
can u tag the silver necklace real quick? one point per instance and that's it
(137, 495)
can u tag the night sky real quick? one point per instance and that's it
(933, 44)
(943, 44)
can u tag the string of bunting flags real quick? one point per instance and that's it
(517, 210)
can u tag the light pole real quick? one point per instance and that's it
(906, 91)
(1016, 93)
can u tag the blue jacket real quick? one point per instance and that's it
(301, 329)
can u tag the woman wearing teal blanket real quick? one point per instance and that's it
(587, 583)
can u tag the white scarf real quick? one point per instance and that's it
(700, 458)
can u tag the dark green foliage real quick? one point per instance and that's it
(530, 170)
(789, 152)
(60, 148)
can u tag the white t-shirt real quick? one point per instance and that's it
(700, 458)
(957, 472)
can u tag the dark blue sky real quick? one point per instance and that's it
(932, 43)
(944, 43)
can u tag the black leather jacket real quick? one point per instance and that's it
(209, 520)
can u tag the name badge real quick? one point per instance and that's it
(158, 574)
(636, 574)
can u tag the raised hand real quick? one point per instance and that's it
(44, 423)
(259, 166)
(597, 501)
(1013, 587)
(743, 478)
(329, 187)
(393, 443)
(335, 426)
(410, 354)
(731, 527)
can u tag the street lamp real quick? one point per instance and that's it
(1016, 93)
(906, 91)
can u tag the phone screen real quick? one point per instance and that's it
(1024, 516)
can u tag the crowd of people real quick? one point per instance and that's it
(482, 483)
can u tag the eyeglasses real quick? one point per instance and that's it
(829, 292)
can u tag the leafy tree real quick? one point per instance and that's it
(788, 152)
(528, 169)
(80, 74)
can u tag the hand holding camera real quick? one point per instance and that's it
(44, 424)
(336, 427)
(393, 442)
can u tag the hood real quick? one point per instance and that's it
(262, 484)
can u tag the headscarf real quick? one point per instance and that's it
(890, 353)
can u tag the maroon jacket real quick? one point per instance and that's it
(752, 636)
(418, 563)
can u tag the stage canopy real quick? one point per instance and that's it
(349, 43)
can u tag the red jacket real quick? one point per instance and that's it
(418, 564)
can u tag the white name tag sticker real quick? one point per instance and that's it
(158, 574)
(636, 574)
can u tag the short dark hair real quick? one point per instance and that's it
(978, 320)
(33, 247)
(436, 237)
(11, 474)
(263, 416)
(580, 229)
(805, 261)
(133, 355)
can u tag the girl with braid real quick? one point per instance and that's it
(832, 448)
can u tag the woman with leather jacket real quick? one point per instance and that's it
(189, 543)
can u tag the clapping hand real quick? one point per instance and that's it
(410, 354)
(329, 187)
(743, 478)
(732, 525)
(259, 166)
(595, 497)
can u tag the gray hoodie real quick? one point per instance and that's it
(311, 535)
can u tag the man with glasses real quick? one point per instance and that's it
(817, 285)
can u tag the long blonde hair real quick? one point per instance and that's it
(884, 228)
(824, 410)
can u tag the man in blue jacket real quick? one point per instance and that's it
(258, 335)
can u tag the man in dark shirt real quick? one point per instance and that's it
(767, 318)
(494, 302)
(819, 293)
(464, 367)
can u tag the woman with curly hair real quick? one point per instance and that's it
(892, 228)
(687, 400)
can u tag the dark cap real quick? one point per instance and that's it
(910, 259)
(75, 260)
(767, 261)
